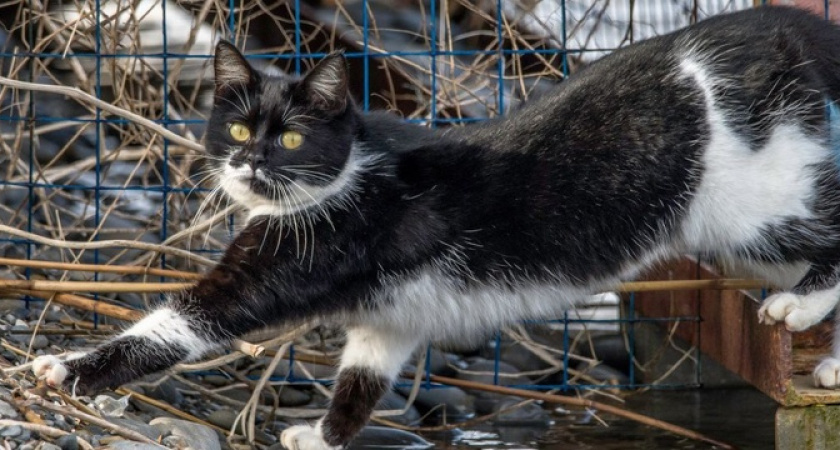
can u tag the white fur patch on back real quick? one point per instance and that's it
(169, 328)
(742, 190)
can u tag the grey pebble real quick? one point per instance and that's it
(53, 316)
(7, 410)
(222, 418)
(68, 442)
(449, 404)
(168, 392)
(11, 305)
(382, 437)
(487, 368)
(140, 427)
(318, 371)
(292, 397)
(394, 401)
(481, 370)
(244, 395)
(605, 374)
(40, 342)
(530, 414)
(48, 446)
(217, 380)
(199, 437)
(131, 445)
(175, 442)
(12, 431)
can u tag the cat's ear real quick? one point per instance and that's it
(326, 83)
(231, 68)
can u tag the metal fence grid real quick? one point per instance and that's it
(71, 171)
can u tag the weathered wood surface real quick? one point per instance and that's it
(770, 358)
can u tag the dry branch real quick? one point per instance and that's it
(79, 94)
(60, 243)
(168, 408)
(119, 312)
(43, 429)
(689, 285)
(103, 268)
(91, 286)
(86, 304)
(122, 431)
(580, 402)
(146, 287)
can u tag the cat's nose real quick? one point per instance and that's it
(256, 160)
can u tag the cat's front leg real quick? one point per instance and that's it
(370, 362)
(162, 339)
(811, 300)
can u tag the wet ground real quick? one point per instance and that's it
(741, 417)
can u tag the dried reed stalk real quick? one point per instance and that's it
(43, 429)
(169, 408)
(122, 431)
(119, 312)
(583, 403)
(146, 287)
(721, 284)
(99, 287)
(79, 94)
(103, 268)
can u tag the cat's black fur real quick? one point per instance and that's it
(574, 191)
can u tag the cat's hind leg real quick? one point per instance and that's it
(371, 360)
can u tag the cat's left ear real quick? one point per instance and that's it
(326, 83)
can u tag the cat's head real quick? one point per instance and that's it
(280, 143)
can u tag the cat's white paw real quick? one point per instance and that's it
(304, 437)
(788, 308)
(827, 373)
(50, 369)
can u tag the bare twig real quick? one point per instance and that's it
(43, 429)
(122, 431)
(103, 268)
(91, 286)
(583, 403)
(106, 244)
(79, 94)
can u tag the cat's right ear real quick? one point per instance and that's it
(231, 68)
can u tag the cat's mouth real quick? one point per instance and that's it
(246, 185)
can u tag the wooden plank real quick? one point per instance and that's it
(728, 332)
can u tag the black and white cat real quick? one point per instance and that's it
(712, 140)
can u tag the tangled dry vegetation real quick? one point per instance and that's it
(102, 180)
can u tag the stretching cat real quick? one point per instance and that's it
(711, 140)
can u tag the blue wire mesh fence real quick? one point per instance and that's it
(76, 173)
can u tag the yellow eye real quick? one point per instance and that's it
(291, 140)
(239, 131)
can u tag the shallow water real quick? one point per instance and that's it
(741, 417)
